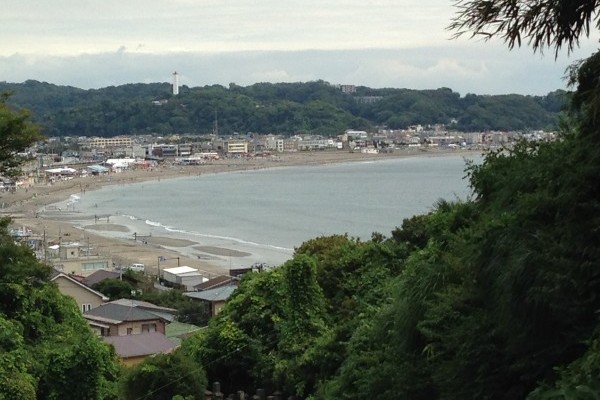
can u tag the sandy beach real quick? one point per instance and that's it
(35, 208)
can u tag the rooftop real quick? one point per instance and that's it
(121, 313)
(217, 294)
(144, 344)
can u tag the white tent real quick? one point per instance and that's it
(61, 171)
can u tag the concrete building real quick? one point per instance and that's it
(183, 276)
(237, 147)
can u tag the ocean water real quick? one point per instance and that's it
(269, 212)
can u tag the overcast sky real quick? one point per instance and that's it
(375, 43)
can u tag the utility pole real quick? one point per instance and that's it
(45, 247)
(158, 266)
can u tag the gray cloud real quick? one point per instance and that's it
(376, 43)
(480, 68)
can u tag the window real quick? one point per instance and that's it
(86, 307)
(91, 266)
(129, 331)
(148, 328)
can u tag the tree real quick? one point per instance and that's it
(163, 377)
(16, 134)
(541, 23)
(46, 347)
(114, 288)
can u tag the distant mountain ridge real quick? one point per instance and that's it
(315, 107)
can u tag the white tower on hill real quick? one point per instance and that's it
(175, 83)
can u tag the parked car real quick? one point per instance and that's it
(136, 267)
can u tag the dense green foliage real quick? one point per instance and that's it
(189, 311)
(16, 134)
(47, 350)
(283, 108)
(163, 377)
(539, 23)
(496, 297)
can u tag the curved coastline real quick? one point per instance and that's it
(43, 209)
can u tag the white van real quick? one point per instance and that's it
(137, 267)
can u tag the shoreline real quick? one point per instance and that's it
(38, 209)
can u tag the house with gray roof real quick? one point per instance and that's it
(133, 349)
(99, 276)
(166, 313)
(215, 297)
(217, 281)
(113, 319)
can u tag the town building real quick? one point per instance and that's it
(86, 297)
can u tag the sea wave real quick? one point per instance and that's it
(154, 223)
(228, 238)
(171, 229)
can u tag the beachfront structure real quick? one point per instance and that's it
(118, 164)
(236, 147)
(163, 150)
(75, 258)
(290, 144)
(60, 173)
(97, 169)
(317, 143)
(117, 141)
(184, 276)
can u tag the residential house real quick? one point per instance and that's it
(166, 313)
(114, 319)
(135, 328)
(99, 276)
(133, 349)
(215, 297)
(86, 297)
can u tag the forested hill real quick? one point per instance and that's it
(281, 108)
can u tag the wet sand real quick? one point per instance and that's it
(35, 208)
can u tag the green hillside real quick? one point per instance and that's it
(281, 108)
(492, 298)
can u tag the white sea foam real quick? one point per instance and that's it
(269, 212)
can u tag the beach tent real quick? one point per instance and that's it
(61, 171)
(97, 169)
(120, 163)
